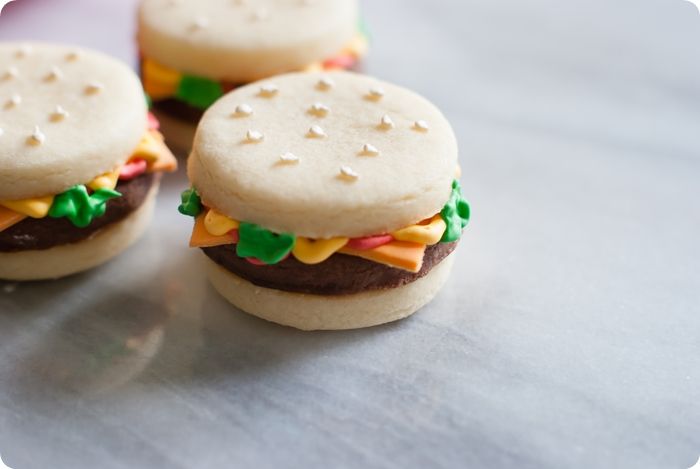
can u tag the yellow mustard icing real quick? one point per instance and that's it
(37, 207)
(105, 181)
(429, 233)
(311, 251)
(159, 81)
(218, 224)
(149, 148)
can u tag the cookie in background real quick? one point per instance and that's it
(80, 160)
(193, 52)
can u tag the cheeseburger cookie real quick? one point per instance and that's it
(195, 51)
(331, 203)
(79, 157)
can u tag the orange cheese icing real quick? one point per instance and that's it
(151, 148)
(406, 251)
(201, 238)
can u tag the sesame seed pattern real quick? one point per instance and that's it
(319, 109)
(38, 86)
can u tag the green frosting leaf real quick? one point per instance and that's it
(79, 206)
(255, 241)
(191, 203)
(198, 92)
(455, 213)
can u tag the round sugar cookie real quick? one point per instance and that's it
(336, 312)
(324, 155)
(244, 40)
(67, 115)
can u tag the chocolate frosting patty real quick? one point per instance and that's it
(179, 109)
(340, 274)
(45, 233)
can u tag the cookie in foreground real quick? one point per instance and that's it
(194, 52)
(80, 159)
(332, 204)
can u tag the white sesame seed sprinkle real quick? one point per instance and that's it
(421, 126)
(59, 114)
(54, 74)
(37, 137)
(94, 88)
(72, 56)
(14, 101)
(376, 93)
(325, 84)
(386, 122)
(243, 110)
(24, 51)
(319, 109)
(254, 136)
(289, 157)
(10, 73)
(269, 90)
(348, 173)
(370, 150)
(317, 132)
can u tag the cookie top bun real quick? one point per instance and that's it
(244, 40)
(66, 115)
(322, 155)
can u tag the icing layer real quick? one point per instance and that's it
(455, 213)
(45, 233)
(259, 243)
(338, 275)
(79, 206)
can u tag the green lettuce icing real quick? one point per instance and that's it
(198, 92)
(255, 241)
(191, 203)
(79, 206)
(456, 214)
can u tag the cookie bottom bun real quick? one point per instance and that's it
(329, 312)
(68, 259)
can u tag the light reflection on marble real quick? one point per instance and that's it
(567, 336)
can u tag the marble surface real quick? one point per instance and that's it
(567, 337)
